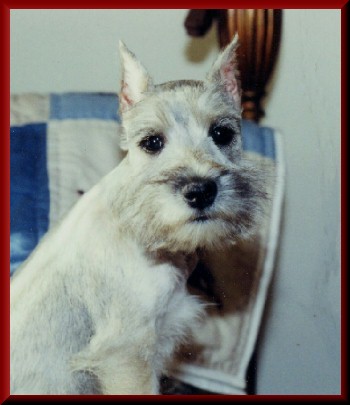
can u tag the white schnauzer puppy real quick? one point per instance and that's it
(101, 304)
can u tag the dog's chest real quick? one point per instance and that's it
(163, 307)
(160, 288)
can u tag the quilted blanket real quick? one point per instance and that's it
(62, 144)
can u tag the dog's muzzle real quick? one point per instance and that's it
(200, 194)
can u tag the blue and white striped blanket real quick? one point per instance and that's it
(62, 144)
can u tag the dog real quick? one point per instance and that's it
(101, 304)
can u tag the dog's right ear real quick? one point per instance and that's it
(135, 79)
(225, 73)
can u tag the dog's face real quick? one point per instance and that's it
(188, 185)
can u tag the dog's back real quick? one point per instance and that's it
(41, 346)
(48, 325)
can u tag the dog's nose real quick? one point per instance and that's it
(200, 194)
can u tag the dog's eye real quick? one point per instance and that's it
(222, 135)
(153, 143)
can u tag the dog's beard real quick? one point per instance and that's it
(159, 218)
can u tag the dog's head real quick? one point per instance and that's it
(188, 186)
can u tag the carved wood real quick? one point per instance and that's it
(259, 34)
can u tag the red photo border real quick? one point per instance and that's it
(5, 7)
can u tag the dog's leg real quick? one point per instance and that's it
(119, 372)
(131, 376)
(122, 361)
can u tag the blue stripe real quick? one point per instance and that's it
(29, 192)
(102, 106)
(258, 139)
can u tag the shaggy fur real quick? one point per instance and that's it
(101, 304)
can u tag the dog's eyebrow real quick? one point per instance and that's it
(230, 119)
(147, 131)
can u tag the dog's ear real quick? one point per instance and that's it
(225, 74)
(135, 79)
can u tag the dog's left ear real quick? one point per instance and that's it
(225, 74)
(135, 79)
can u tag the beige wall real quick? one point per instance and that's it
(301, 342)
(72, 50)
(65, 50)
